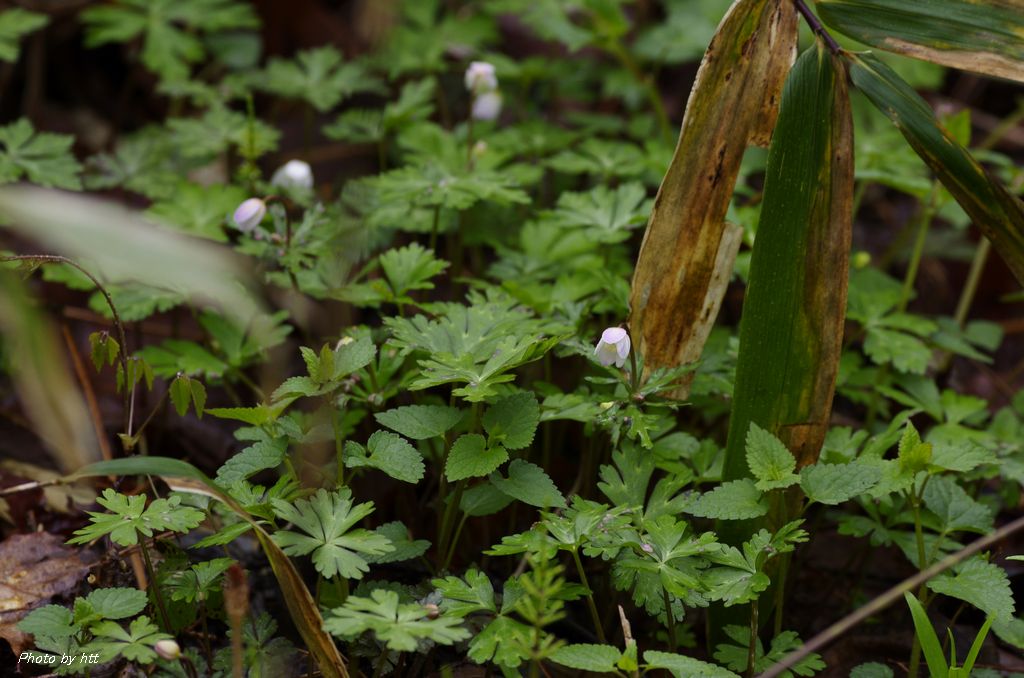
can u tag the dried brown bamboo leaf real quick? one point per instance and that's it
(676, 292)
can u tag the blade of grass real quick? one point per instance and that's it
(926, 636)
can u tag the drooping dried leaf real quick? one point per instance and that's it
(33, 568)
(984, 36)
(687, 251)
(792, 326)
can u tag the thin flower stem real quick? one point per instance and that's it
(752, 643)
(594, 616)
(157, 596)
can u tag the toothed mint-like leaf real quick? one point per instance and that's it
(769, 460)
(512, 421)
(420, 422)
(387, 452)
(734, 500)
(529, 484)
(470, 457)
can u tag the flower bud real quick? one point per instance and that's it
(480, 77)
(167, 649)
(249, 214)
(613, 347)
(487, 106)
(294, 174)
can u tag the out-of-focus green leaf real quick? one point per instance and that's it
(998, 214)
(14, 25)
(119, 246)
(687, 254)
(796, 297)
(985, 36)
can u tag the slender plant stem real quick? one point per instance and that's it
(895, 593)
(752, 643)
(963, 306)
(157, 596)
(915, 648)
(434, 228)
(455, 540)
(596, 618)
(449, 517)
(923, 224)
(816, 27)
(122, 354)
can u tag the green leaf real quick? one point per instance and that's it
(733, 500)
(769, 460)
(834, 484)
(117, 603)
(930, 646)
(583, 657)
(607, 215)
(263, 454)
(54, 621)
(512, 421)
(405, 547)
(15, 24)
(420, 422)
(955, 509)
(871, 670)
(103, 349)
(167, 48)
(319, 77)
(40, 157)
(462, 597)
(198, 581)
(399, 626)
(185, 391)
(484, 500)
(470, 457)
(388, 452)
(998, 214)
(529, 484)
(197, 210)
(982, 584)
(134, 644)
(793, 312)
(914, 455)
(984, 36)
(129, 517)
(326, 521)
(682, 666)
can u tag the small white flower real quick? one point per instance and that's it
(293, 174)
(167, 649)
(249, 214)
(480, 77)
(613, 347)
(487, 106)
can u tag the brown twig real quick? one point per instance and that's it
(883, 601)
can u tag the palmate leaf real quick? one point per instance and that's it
(796, 296)
(326, 521)
(41, 157)
(129, 517)
(168, 49)
(461, 597)
(399, 626)
(985, 36)
(735, 654)
(134, 643)
(14, 25)
(998, 214)
(319, 77)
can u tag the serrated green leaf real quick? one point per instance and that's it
(387, 452)
(318, 76)
(49, 620)
(584, 657)
(769, 460)
(117, 603)
(512, 421)
(529, 484)
(134, 644)
(685, 667)
(733, 500)
(982, 584)
(484, 500)
(470, 457)
(420, 422)
(955, 509)
(129, 517)
(463, 596)
(405, 547)
(264, 454)
(834, 484)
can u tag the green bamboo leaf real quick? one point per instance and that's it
(926, 636)
(998, 214)
(984, 36)
(687, 254)
(796, 297)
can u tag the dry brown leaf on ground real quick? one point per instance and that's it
(34, 568)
